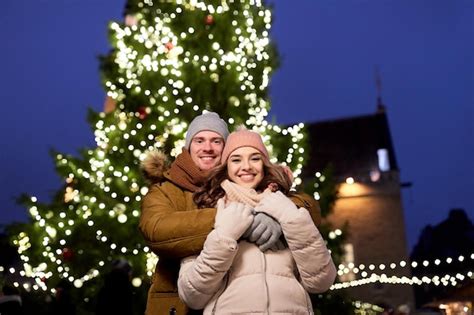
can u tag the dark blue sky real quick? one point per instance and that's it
(329, 48)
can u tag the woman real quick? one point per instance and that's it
(232, 276)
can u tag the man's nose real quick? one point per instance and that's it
(207, 146)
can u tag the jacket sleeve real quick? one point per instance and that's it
(172, 232)
(308, 248)
(201, 278)
(303, 200)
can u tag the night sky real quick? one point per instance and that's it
(329, 50)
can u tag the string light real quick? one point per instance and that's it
(348, 268)
(445, 280)
(366, 308)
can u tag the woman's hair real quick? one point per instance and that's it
(212, 191)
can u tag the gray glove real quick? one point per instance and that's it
(264, 232)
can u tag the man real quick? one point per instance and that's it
(170, 222)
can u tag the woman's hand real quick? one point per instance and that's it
(278, 206)
(232, 220)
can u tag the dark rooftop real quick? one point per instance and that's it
(349, 144)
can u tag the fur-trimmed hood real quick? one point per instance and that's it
(154, 166)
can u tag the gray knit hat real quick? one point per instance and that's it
(209, 121)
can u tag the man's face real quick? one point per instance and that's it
(206, 149)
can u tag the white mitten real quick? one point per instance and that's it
(278, 206)
(232, 220)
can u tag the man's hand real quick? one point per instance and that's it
(264, 232)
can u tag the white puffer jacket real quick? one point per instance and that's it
(237, 278)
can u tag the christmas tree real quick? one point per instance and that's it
(170, 61)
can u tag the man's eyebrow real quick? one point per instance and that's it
(212, 139)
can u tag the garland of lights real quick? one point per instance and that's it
(345, 269)
(366, 307)
(39, 273)
(445, 280)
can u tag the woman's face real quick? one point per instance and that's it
(245, 167)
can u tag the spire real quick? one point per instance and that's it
(378, 85)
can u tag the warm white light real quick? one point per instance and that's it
(136, 282)
(122, 218)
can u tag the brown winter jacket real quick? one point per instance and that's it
(174, 228)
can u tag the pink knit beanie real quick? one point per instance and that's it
(243, 137)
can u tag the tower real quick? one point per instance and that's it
(362, 156)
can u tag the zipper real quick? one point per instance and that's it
(265, 284)
(220, 293)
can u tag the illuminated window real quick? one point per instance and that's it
(384, 162)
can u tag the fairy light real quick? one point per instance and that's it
(401, 264)
(151, 261)
(40, 272)
(136, 282)
(445, 280)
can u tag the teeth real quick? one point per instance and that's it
(247, 177)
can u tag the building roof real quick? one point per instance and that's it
(349, 144)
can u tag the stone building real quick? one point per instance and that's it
(363, 158)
